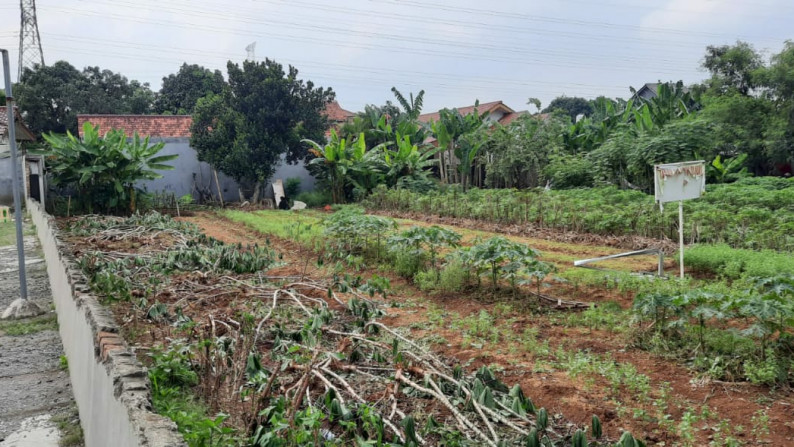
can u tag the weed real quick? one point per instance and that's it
(68, 423)
(47, 322)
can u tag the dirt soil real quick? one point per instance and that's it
(574, 398)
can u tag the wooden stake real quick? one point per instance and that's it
(218, 185)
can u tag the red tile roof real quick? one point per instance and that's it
(174, 126)
(336, 113)
(483, 107)
(22, 131)
(512, 116)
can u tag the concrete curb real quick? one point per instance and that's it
(110, 386)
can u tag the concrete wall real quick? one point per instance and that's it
(180, 180)
(110, 387)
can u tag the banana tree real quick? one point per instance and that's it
(448, 130)
(104, 170)
(342, 165)
(466, 151)
(406, 162)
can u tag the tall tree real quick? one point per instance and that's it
(262, 114)
(181, 90)
(52, 96)
(573, 106)
(778, 78)
(732, 66)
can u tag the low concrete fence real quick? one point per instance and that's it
(110, 386)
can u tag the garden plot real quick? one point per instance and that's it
(284, 358)
(608, 360)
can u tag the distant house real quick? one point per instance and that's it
(497, 111)
(651, 90)
(337, 116)
(22, 134)
(189, 175)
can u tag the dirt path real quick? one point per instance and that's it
(35, 391)
(699, 411)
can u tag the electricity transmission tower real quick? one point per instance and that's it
(30, 52)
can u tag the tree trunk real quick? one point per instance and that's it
(240, 192)
(257, 191)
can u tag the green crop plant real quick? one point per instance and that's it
(500, 258)
(350, 231)
(751, 213)
(429, 240)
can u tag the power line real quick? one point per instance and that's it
(383, 82)
(299, 62)
(665, 69)
(550, 19)
(572, 54)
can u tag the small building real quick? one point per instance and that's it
(498, 112)
(23, 134)
(189, 176)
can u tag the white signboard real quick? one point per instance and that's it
(675, 182)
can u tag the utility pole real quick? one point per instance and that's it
(30, 52)
(21, 307)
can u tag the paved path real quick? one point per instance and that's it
(35, 393)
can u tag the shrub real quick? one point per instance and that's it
(425, 280)
(292, 187)
(315, 199)
(734, 263)
(407, 263)
(453, 277)
(763, 372)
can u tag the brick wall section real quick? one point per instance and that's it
(110, 386)
(164, 126)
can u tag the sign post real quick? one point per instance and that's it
(676, 182)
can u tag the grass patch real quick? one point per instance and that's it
(68, 423)
(734, 263)
(7, 233)
(302, 227)
(16, 328)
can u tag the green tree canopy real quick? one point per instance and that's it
(262, 114)
(732, 66)
(181, 90)
(52, 96)
(573, 106)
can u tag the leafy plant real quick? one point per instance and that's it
(104, 171)
(728, 171)
(419, 240)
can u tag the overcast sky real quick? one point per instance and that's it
(457, 51)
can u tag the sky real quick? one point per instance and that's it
(457, 51)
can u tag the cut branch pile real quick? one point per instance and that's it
(274, 352)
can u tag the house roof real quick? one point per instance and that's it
(336, 113)
(22, 131)
(653, 88)
(512, 116)
(483, 107)
(165, 126)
